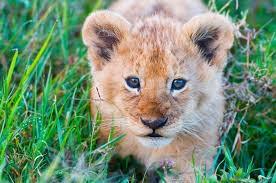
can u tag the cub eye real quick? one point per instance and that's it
(133, 82)
(178, 84)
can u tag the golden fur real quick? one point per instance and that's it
(159, 41)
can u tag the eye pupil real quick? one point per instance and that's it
(133, 82)
(178, 84)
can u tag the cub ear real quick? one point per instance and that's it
(101, 33)
(212, 35)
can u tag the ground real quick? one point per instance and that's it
(46, 130)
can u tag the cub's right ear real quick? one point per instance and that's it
(101, 33)
(212, 35)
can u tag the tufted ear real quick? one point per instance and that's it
(212, 35)
(101, 33)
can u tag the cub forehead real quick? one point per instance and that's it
(156, 44)
(157, 32)
(152, 41)
(150, 62)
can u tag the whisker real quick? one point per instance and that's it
(194, 135)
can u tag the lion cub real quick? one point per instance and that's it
(157, 70)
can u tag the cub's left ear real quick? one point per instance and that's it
(102, 32)
(212, 35)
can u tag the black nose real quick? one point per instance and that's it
(155, 124)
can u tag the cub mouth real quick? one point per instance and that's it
(154, 140)
(153, 134)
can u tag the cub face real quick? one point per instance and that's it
(156, 79)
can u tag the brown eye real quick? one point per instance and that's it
(133, 82)
(178, 84)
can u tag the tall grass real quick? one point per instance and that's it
(46, 130)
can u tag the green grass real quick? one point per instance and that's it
(46, 130)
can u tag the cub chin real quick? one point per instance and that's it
(158, 81)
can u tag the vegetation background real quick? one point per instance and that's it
(46, 131)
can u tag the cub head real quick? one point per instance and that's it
(156, 79)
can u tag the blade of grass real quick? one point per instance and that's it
(10, 72)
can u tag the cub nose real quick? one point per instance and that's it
(155, 124)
